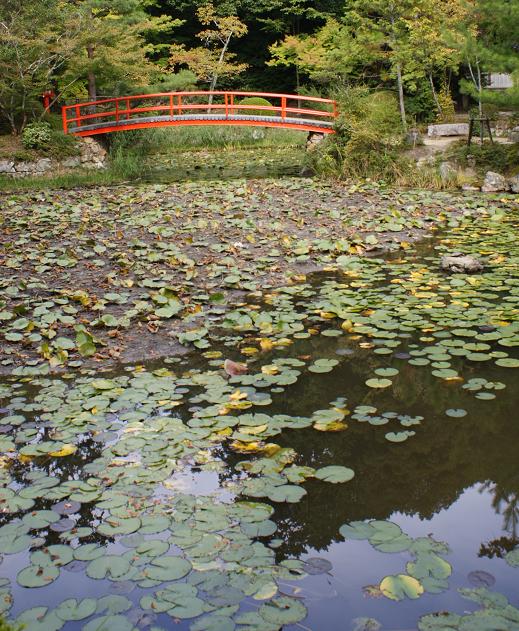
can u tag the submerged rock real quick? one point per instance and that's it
(458, 263)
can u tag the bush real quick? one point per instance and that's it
(489, 157)
(257, 100)
(421, 105)
(367, 140)
(37, 136)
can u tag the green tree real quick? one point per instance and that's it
(488, 41)
(33, 48)
(111, 45)
(213, 59)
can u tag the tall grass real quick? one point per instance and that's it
(168, 139)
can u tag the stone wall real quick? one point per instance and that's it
(92, 155)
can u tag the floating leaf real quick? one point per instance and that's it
(283, 611)
(335, 474)
(401, 586)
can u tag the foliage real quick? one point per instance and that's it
(47, 139)
(36, 136)
(110, 52)
(212, 60)
(496, 157)
(259, 101)
(446, 110)
(369, 134)
(420, 104)
(181, 81)
(487, 41)
(32, 50)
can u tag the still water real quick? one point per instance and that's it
(149, 442)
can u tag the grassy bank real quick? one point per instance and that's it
(130, 152)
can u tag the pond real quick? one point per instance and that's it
(244, 162)
(335, 452)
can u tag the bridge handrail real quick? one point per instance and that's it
(283, 109)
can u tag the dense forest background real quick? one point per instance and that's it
(425, 52)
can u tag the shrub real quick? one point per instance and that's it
(488, 157)
(367, 139)
(257, 100)
(37, 136)
(420, 105)
(448, 111)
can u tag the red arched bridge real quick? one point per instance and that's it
(171, 109)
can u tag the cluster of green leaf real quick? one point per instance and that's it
(368, 138)
(488, 157)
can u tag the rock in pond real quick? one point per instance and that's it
(458, 263)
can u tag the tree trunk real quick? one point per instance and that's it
(214, 79)
(401, 95)
(435, 96)
(399, 80)
(480, 104)
(92, 88)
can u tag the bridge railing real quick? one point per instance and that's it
(111, 112)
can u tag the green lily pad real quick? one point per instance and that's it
(73, 609)
(37, 576)
(401, 586)
(168, 569)
(283, 611)
(335, 474)
(379, 383)
(108, 566)
(456, 412)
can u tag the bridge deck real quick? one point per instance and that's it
(278, 121)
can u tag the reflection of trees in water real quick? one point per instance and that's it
(64, 469)
(505, 503)
(422, 476)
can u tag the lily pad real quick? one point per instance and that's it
(335, 474)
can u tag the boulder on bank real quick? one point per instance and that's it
(494, 183)
(514, 183)
(459, 263)
(448, 129)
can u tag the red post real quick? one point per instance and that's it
(232, 104)
(179, 104)
(283, 107)
(117, 110)
(127, 109)
(226, 100)
(171, 105)
(78, 115)
(64, 119)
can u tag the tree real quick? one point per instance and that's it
(33, 48)
(378, 40)
(429, 52)
(213, 59)
(488, 40)
(111, 45)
